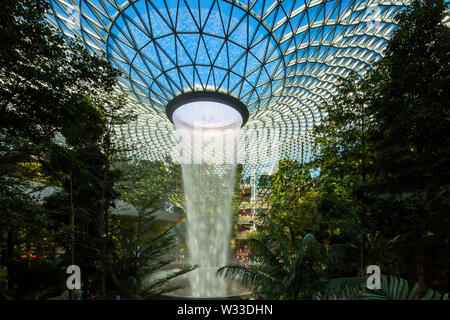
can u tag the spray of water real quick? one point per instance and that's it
(208, 152)
(208, 205)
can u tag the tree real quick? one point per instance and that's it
(384, 143)
(143, 178)
(345, 150)
(115, 113)
(42, 74)
(411, 109)
(144, 246)
(84, 166)
(143, 255)
(290, 186)
(24, 229)
(46, 84)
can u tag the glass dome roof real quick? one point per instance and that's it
(282, 59)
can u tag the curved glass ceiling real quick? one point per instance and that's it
(282, 59)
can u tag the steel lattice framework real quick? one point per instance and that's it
(282, 59)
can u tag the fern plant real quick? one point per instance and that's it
(134, 272)
(287, 273)
(393, 288)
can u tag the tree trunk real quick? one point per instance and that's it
(102, 253)
(420, 257)
(10, 259)
(447, 255)
(103, 237)
(72, 228)
(361, 254)
(420, 266)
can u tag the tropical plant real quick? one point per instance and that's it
(384, 142)
(38, 279)
(290, 186)
(286, 273)
(411, 156)
(50, 87)
(42, 74)
(393, 288)
(136, 268)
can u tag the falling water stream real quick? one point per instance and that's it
(208, 148)
(208, 204)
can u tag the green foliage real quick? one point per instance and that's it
(85, 168)
(38, 279)
(343, 138)
(393, 288)
(288, 272)
(381, 196)
(145, 248)
(42, 75)
(143, 180)
(411, 165)
(59, 118)
(292, 205)
(135, 270)
(57, 109)
(411, 109)
(382, 155)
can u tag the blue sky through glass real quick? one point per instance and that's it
(282, 59)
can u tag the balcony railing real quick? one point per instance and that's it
(245, 220)
(255, 205)
(243, 234)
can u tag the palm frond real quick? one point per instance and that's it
(247, 276)
(309, 242)
(279, 238)
(344, 287)
(264, 251)
(237, 273)
(394, 288)
(161, 285)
